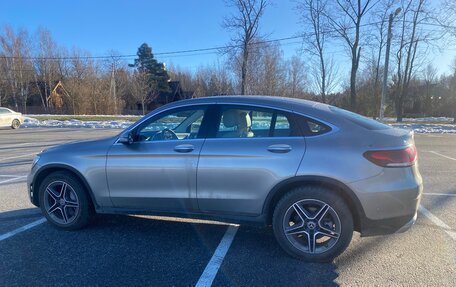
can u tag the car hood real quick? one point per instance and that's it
(81, 146)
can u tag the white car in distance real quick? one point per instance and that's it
(9, 118)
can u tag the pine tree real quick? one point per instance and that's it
(146, 63)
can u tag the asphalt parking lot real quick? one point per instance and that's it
(155, 251)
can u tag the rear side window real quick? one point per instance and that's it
(316, 128)
(360, 120)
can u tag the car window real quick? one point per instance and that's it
(252, 122)
(176, 125)
(4, 111)
(311, 127)
(244, 123)
(282, 126)
(316, 128)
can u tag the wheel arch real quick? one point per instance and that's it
(289, 184)
(46, 170)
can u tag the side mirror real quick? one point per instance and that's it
(126, 138)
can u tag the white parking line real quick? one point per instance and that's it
(438, 222)
(442, 155)
(439, 194)
(21, 229)
(214, 264)
(13, 179)
(11, 175)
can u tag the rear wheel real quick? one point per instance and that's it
(15, 124)
(313, 224)
(64, 201)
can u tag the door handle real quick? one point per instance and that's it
(279, 148)
(184, 148)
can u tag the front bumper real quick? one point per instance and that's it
(30, 187)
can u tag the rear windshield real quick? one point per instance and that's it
(360, 120)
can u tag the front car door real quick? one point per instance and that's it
(158, 170)
(4, 117)
(245, 156)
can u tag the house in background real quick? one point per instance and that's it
(175, 93)
(55, 99)
(53, 95)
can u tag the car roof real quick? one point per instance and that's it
(306, 107)
(272, 101)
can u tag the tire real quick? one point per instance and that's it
(64, 201)
(327, 219)
(15, 124)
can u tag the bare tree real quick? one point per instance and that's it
(76, 81)
(112, 65)
(332, 78)
(244, 23)
(315, 36)
(296, 77)
(347, 21)
(46, 65)
(453, 87)
(378, 39)
(16, 54)
(142, 89)
(412, 40)
(270, 71)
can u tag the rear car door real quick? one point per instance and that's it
(247, 152)
(158, 170)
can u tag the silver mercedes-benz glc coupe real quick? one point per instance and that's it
(315, 172)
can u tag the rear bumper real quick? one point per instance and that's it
(387, 226)
(390, 200)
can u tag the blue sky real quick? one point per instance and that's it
(101, 26)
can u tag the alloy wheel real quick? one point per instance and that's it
(61, 202)
(15, 124)
(312, 226)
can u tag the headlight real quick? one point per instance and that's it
(35, 160)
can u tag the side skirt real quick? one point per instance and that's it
(236, 219)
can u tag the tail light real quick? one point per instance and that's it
(393, 158)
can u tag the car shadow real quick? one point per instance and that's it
(256, 259)
(138, 250)
(20, 214)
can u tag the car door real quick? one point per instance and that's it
(250, 150)
(157, 171)
(4, 114)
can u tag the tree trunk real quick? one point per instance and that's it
(245, 58)
(353, 88)
(323, 76)
(356, 52)
(399, 103)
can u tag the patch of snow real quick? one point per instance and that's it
(53, 115)
(72, 123)
(428, 128)
(424, 120)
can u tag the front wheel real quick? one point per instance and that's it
(15, 124)
(313, 224)
(64, 201)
